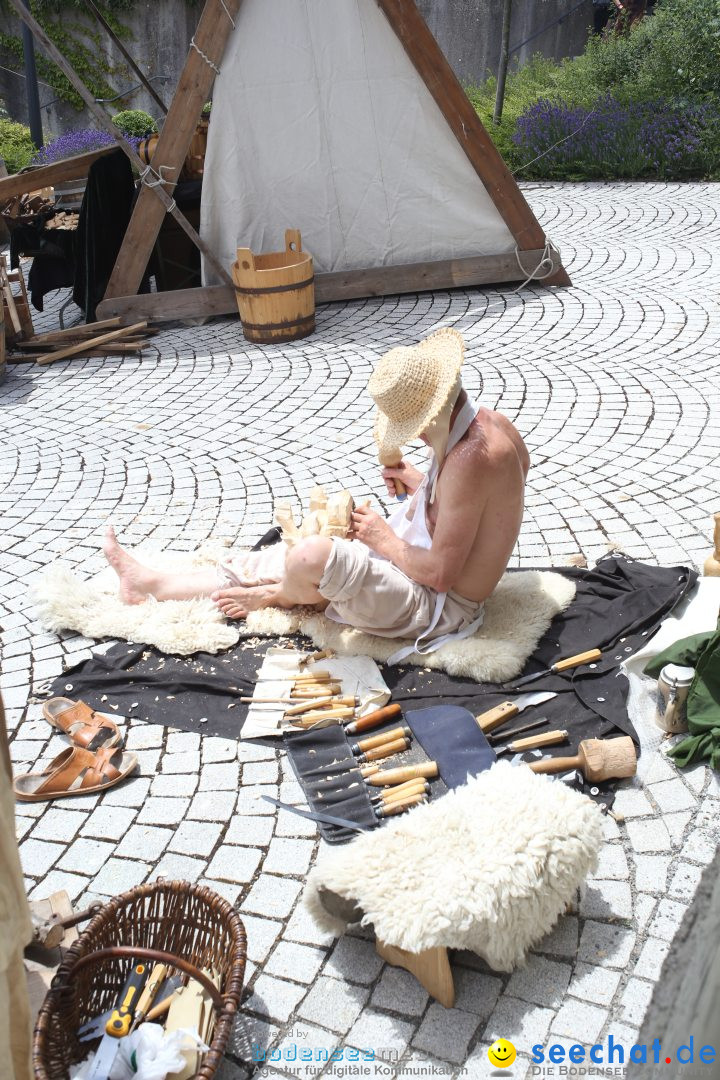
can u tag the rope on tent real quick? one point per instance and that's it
(545, 261)
(159, 178)
(206, 58)
(228, 13)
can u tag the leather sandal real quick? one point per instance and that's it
(86, 728)
(76, 772)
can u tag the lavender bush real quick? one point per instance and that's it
(649, 140)
(76, 142)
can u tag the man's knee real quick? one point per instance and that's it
(307, 559)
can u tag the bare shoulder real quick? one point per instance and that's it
(493, 442)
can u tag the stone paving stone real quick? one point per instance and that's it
(220, 777)
(301, 927)
(651, 835)
(667, 919)
(179, 867)
(145, 737)
(249, 831)
(186, 762)
(562, 940)
(109, 821)
(235, 864)
(700, 847)
(217, 749)
(376, 1031)
(37, 856)
(156, 811)
(144, 842)
(575, 1017)
(294, 825)
(672, 795)
(541, 981)
(651, 958)
(182, 742)
(260, 772)
(194, 837)
(292, 961)
(212, 806)
(250, 1037)
(59, 881)
(250, 750)
(607, 900)
(446, 1033)
(86, 856)
(643, 911)
(612, 863)
(528, 1024)
(288, 856)
(174, 785)
(59, 824)
(261, 936)
(608, 946)
(400, 991)
(685, 881)
(275, 998)
(354, 959)
(651, 872)
(635, 1000)
(271, 895)
(118, 875)
(594, 984)
(132, 793)
(676, 825)
(334, 1003)
(250, 800)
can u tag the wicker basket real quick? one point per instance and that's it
(175, 922)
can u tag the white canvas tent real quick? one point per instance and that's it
(320, 122)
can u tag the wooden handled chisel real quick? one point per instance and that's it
(499, 714)
(560, 665)
(532, 742)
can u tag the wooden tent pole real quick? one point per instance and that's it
(119, 45)
(440, 79)
(166, 203)
(203, 62)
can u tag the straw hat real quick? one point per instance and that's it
(411, 385)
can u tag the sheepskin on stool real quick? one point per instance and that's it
(488, 867)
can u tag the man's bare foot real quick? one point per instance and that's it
(236, 602)
(136, 581)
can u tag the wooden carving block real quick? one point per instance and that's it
(318, 498)
(339, 511)
(285, 519)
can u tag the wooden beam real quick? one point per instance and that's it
(168, 203)
(192, 91)
(339, 285)
(440, 79)
(88, 346)
(75, 168)
(119, 45)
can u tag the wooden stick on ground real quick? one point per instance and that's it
(82, 330)
(84, 346)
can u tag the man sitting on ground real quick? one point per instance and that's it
(423, 573)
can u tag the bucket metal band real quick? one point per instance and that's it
(279, 325)
(274, 288)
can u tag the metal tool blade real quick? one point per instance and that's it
(94, 1028)
(536, 698)
(508, 736)
(104, 1058)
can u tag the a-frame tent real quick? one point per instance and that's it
(344, 119)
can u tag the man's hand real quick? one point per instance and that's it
(409, 476)
(370, 529)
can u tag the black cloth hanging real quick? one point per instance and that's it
(619, 604)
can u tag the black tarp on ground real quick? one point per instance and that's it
(619, 604)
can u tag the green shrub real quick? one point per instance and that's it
(16, 146)
(135, 122)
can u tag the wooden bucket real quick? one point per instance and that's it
(194, 164)
(276, 292)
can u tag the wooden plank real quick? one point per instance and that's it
(130, 59)
(75, 168)
(87, 346)
(340, 285)
(435, 71)
(192, 91)
(79, 331)
(168, 203)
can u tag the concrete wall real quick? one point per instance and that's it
(468, 32)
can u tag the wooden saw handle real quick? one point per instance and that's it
(532, 742)
(493, 718)
(576, 661)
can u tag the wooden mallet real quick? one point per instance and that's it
(597, 760)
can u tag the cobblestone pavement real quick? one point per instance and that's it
(610, 383)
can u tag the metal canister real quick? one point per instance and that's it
(673, 688)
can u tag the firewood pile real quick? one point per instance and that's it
(104, 338)
(25, 208)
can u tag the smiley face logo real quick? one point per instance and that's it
(502, 1054)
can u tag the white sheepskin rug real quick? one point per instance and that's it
(516, 616)
(489, 867)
